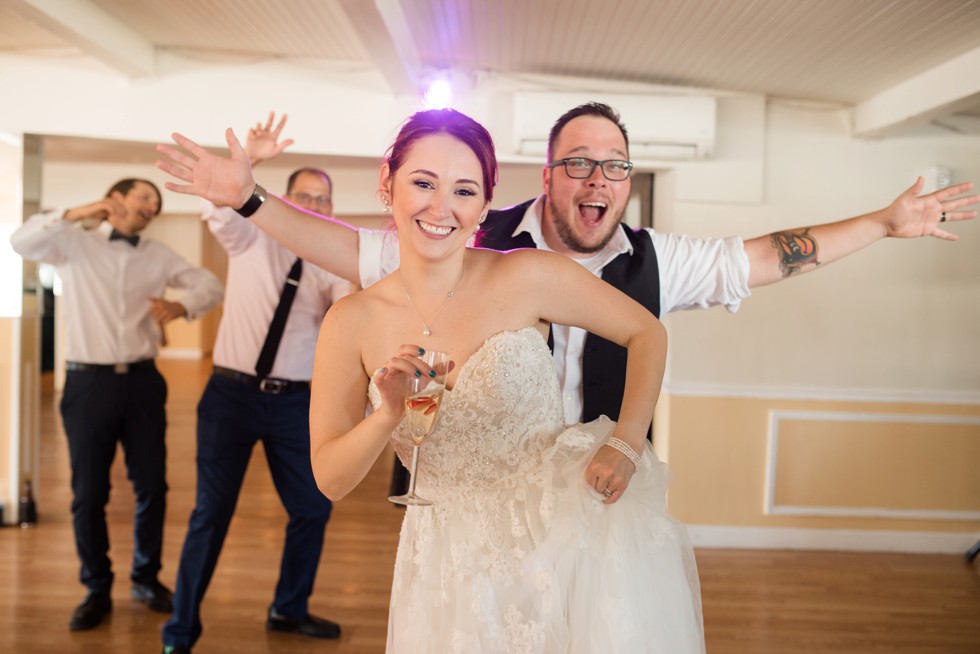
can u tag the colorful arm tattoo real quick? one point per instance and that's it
(796, 249)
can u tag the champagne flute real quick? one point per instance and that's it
(421, 410)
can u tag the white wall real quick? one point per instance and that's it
(899, 318)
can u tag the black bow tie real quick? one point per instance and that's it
(117, 236)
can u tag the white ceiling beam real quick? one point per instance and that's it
(96, 32)
(383, 28)
(940, 91)
(961, 123)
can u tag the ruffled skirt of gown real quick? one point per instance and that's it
(552, 568)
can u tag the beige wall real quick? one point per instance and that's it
(826, 465)
(185, 234)
(888, 332)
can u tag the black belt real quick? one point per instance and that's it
(115, 368)
(267, 385)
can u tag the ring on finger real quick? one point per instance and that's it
(607, 492)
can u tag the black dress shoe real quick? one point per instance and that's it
(173, 649)
(311, 626)
(155, 595)
(90, 613)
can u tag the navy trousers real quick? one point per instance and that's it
(100, 409)
(231, 418)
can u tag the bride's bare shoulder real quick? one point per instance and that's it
(528, 260)
(359, 308)
(516, 257)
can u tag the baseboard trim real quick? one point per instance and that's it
(854, 540)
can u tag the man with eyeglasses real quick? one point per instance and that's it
(586, 190)
(579, 215)
(310, 189)
(260, 391)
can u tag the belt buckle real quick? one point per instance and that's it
(120, 368)
(273, 386)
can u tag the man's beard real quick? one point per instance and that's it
(567, 235)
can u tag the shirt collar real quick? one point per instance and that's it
(531, 223)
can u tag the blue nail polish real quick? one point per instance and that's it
(432, 373)
(418, 373)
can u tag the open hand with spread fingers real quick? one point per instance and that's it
(912, 215)
(226, 182)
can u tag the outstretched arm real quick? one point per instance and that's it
(228, 182)
(778, 255)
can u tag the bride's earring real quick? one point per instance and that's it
(480, 222)
(386, 203)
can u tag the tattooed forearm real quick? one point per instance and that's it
(796, 249)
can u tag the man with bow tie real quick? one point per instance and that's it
(113, 284)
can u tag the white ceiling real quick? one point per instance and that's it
(844, 52)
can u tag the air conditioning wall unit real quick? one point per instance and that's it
(660, 127)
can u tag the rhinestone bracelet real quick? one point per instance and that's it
(622, 446)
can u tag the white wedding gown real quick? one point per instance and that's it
(518, 555)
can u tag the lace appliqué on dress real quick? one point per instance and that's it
(517, 555)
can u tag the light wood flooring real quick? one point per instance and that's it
(755, 601)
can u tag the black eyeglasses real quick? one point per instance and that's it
(306, 198)
(615, 170)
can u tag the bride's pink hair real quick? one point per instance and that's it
(458, 125)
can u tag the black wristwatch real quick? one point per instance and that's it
(253, 203)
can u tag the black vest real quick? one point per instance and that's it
(636, 274)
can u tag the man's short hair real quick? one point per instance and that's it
(588, 109)
(312, 171)
(124, 186)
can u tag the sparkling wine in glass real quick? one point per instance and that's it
(421, 411)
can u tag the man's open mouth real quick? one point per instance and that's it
(592, 212)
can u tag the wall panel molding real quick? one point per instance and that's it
(772, 505)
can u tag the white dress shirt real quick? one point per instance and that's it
(107, 286)
(257, 270)
(694, 274)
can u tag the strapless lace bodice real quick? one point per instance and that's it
(518, 555)
(493, 425)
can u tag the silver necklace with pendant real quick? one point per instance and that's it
(426, 330)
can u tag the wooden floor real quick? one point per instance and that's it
(754, 601)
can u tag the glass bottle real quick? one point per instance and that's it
(28, 509)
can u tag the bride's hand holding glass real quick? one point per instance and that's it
(412, 386)
(392, 380)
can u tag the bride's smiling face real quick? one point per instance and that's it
(437, 194)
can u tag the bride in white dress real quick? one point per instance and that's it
(543, 538)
